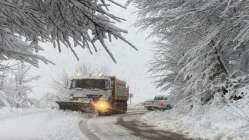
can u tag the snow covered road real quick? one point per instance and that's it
(105, 128)
(47, 124)
(123, 127)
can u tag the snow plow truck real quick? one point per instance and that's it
(104, 95)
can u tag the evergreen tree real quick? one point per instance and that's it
(203, 46)
(24, 23)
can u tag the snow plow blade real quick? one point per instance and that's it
(75, 106)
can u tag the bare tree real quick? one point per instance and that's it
(15, 83)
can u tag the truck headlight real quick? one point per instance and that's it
(102, 106)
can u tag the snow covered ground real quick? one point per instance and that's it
(53, 124)
(39, 124)
(105, 128)
(213, 121)
(48, 124)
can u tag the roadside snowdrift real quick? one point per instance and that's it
(39, 124)
(216, 121)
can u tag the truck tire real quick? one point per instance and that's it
(104, 113)
(125, 107)
(119, 107)
(114, 107)
(149, 108)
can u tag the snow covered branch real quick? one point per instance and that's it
(206, 42)
(60, 22)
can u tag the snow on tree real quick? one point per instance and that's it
(70, 23)
(15, 84)
(203, 45)
(84, 70)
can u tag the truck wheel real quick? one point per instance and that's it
(149, 108)
(125, 107)
(119, 107)
(114, 107)
(105, 113)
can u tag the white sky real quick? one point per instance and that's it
(132, 65)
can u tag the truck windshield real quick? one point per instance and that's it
(90, 83)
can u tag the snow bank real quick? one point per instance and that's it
(10, 99)
(39, 124)
(136, 107)
(213, 121)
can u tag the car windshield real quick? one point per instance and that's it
(160, 98)
(90, 83)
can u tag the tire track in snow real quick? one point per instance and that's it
(84, 129)
(105, 128)
(140, 129)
